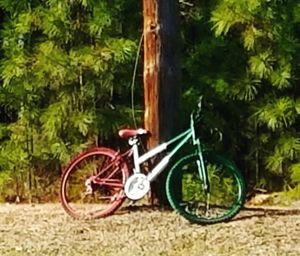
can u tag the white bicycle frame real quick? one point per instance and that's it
(138, 160)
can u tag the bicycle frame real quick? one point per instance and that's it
(181, 140)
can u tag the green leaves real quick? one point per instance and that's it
(295, 168)
(277, 114)
(222, 24)
(245, 89)
(59, 66)
(251, 77)
(282, 76)
(229, 13)
(81, 121)
(261, 64)
(287, 150)
(3, 131)
(297, 106)
(101, 20)
(251, 35)
(66, 68)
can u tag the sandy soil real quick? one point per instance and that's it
(45, 229)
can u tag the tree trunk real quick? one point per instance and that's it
(161, 75)
(152, 49)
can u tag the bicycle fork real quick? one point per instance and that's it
(202, 170)
(200, 162)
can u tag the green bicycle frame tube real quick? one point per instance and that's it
(164, 162)
(182, 138)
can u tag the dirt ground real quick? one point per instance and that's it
(45, 229)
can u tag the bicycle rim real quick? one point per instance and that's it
(92, 184)
(221, 202)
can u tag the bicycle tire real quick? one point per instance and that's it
(227, 189)
(104, 197)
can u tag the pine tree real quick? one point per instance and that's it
(59, 68)
(268, 84)
(242, 56)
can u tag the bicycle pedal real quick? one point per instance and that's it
(132, 203)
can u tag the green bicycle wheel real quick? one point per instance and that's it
(186, 193)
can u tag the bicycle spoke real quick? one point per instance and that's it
(221, 202)
(92, 185)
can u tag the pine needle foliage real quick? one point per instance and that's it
(65, 83)
(271, 41)
(243, 57)
(60, 64)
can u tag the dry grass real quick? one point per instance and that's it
(47, 230)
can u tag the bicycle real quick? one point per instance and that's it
(203, 187)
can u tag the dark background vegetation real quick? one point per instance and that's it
(66, 71)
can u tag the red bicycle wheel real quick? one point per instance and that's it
(92, 184)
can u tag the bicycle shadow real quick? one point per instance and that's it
(144, 208)
(248, 212)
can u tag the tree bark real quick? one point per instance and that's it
(161, 75)
(152, 43)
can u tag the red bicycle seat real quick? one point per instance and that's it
(127, 133)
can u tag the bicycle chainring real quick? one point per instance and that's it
(137, 186)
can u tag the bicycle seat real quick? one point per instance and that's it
(127, 133)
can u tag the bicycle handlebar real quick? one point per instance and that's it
(196, 116)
